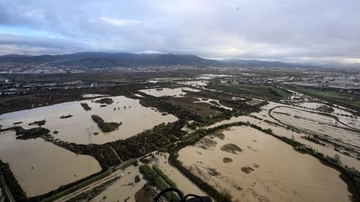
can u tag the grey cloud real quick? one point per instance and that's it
(268, 29)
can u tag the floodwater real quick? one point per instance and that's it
(138, 95)
(281, 131)
(175, 92)
(134, 117)
(318, 124)
(40, 166)
(208, 101)
(196, 83)
(182, 182)
(212, 76)
(124, 189)
(279, 172)
(92, 95)
(343, 114)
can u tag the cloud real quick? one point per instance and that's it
(286, 30)
(118, 22)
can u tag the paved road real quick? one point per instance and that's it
(7, 190)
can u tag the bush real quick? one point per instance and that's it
(32, 133)
(164, 176)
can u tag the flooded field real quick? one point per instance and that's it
(344, 115)
(40, 167)
(174, 92)
(266, 169)
(92, 95)
(196, 83)
(324, 126)
(74, 129)
(212, 102)
(183, 183)
(282, 131)
(124, 189)
(212, 76)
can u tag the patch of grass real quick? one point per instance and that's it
(335, 97)
(128, 163)
(164, 176)
(255, 90)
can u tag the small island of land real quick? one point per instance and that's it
(66, 116)
(31, 133)
(105, 126)
(106, 100)
(39, 123)
(85, 106)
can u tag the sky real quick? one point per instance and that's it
(305, 31)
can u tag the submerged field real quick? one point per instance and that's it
(240, 161)
(40, 166)
(267, 91)
(74, 129)
(265, 170)
(331, 96)
(325, 127)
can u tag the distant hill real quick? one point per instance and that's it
(259, 63)
(98, 60)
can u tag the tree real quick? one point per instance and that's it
(337, 158)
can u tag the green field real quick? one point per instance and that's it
(264, 91)
(335, 97)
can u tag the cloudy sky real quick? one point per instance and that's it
(320, 31)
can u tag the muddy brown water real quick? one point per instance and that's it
(318, 124)
(346, 160)
(183, 183)
(40, 166)
(282, 174)
(122, 189)
(128, 111)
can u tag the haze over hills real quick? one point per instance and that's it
(99, 59)
(259, 63)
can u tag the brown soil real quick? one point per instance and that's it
(202, 109)
(227, 160)
(231, 148)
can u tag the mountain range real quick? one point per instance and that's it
(98, 60)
